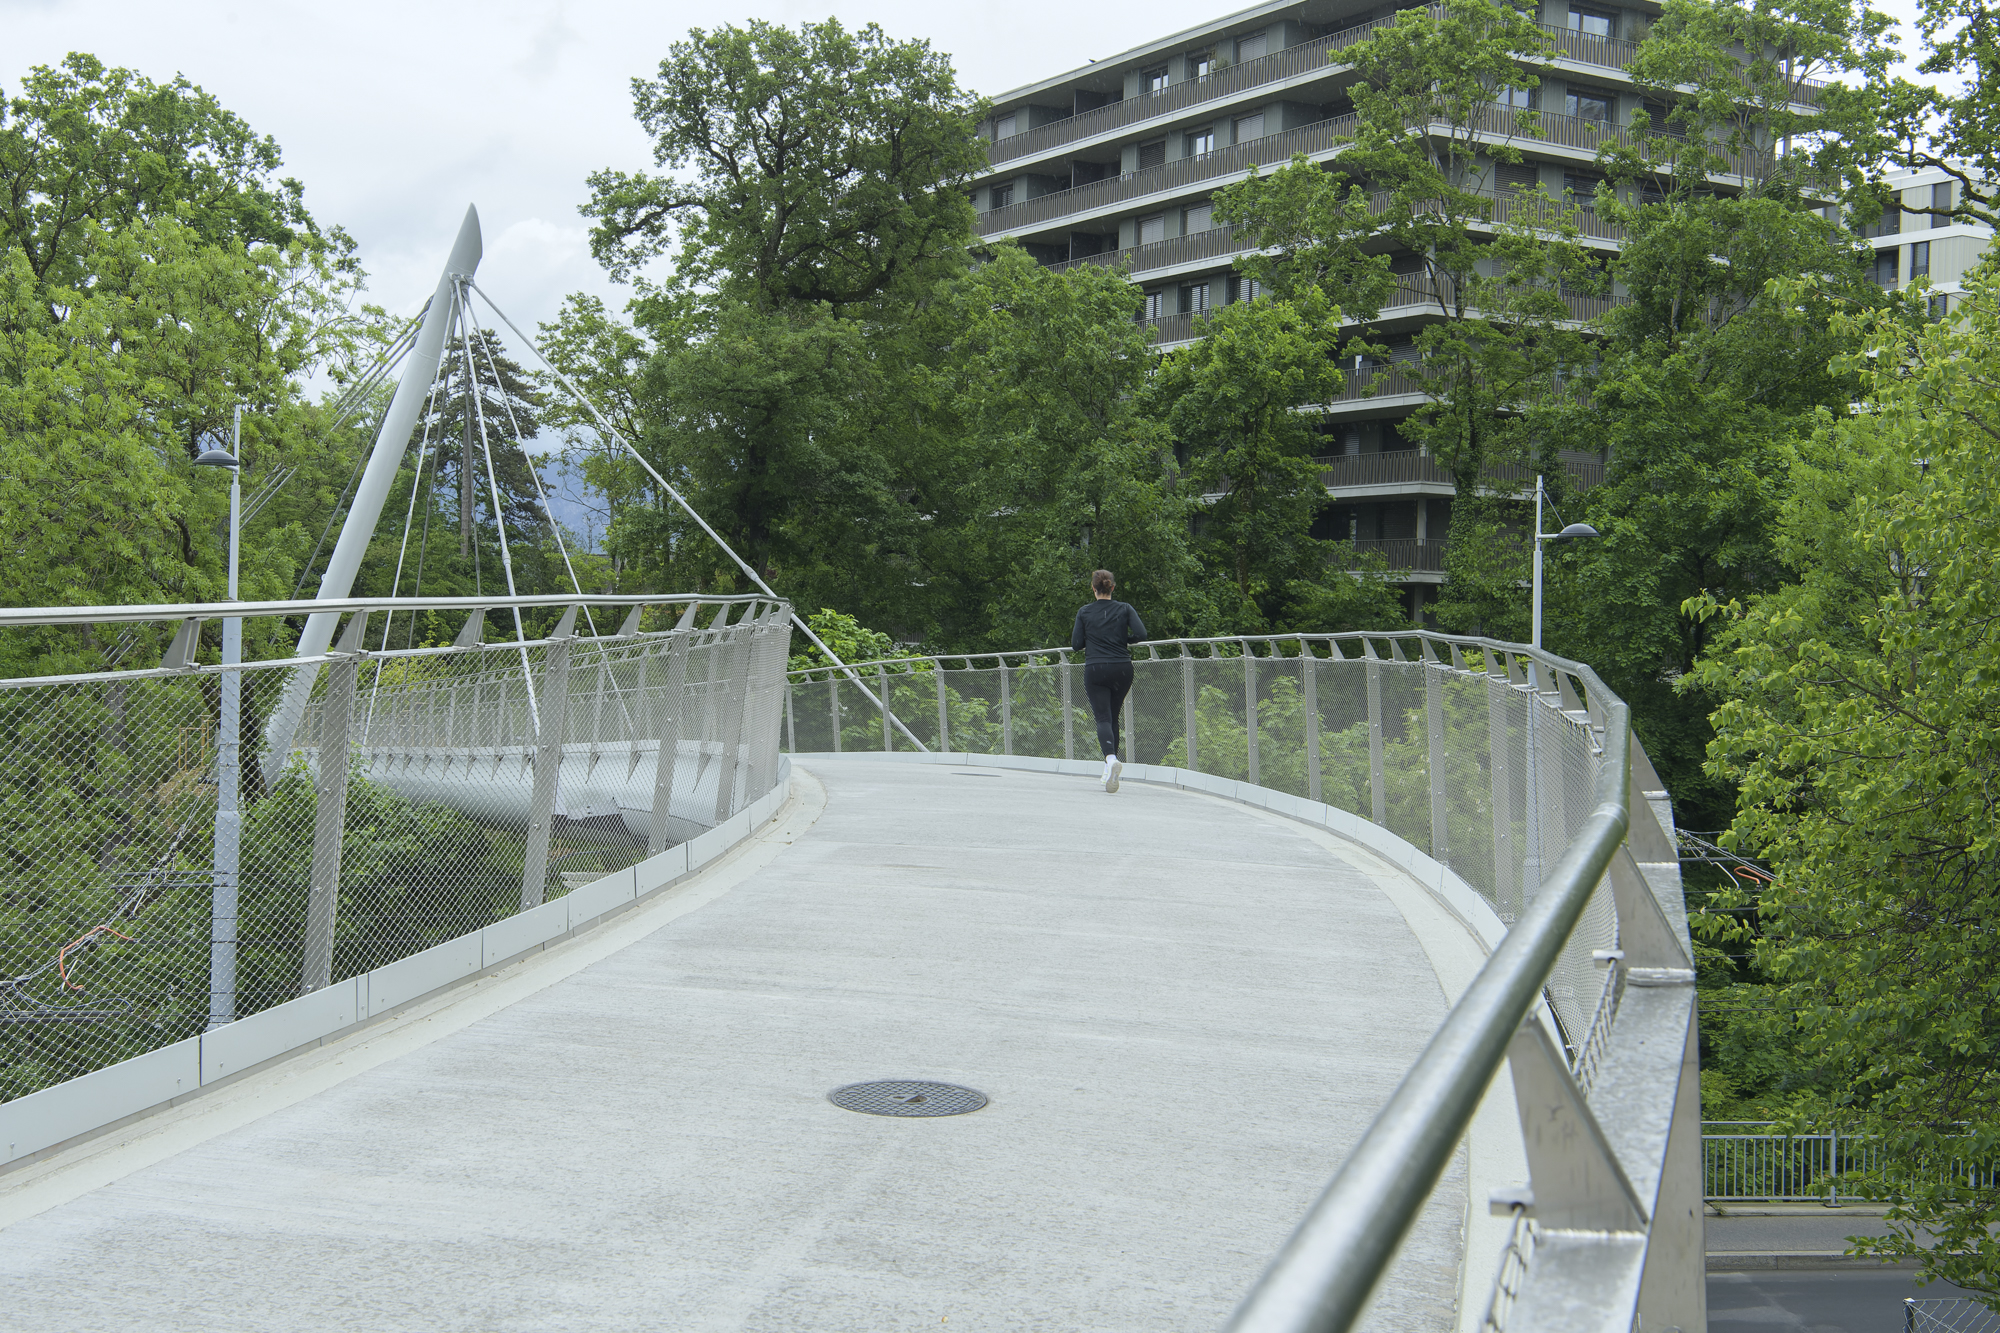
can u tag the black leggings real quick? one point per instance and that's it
(1106, 684)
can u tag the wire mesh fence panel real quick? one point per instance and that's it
(1956, 1314)
(976, 700)
(1340, 692)
(1467, 786)
(1406, 779)
(418, 796)
(1158, 716)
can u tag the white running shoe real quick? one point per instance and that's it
(1111, 770)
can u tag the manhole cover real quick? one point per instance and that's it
(902, 1097)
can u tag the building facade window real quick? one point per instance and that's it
(1152, 154)
(1200, 142)
(1003, 195)
(1153, 229)
(1592, 22)
(1153, 80)
(1249, 127)
(1889, 224)
(1254, 47)
(1201, 64)
(1197, 217)
(1920, 259)
(1884, 271)
(1149, 307)
(1245, 289)
(1587, 104)
(1583, 186)
(1515, 99)
(1940, 306)
(1941, 198)
(1005, 127)
(1194, 297)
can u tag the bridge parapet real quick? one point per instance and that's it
(1518, 773)
(431, 794)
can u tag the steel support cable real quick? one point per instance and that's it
(464, 312)
(1320, 1282)
(344, 407)
(514, 424)
(409, 517)
(403, 550)
(681, 500)
(554, 528)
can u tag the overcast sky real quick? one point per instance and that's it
(396, 115)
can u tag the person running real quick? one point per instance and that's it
(1103, 629)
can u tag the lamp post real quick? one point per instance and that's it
(1571, 532)
(228, 759)
(1531, 870)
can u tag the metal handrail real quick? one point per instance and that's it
(25, 617)
(1321, 1280)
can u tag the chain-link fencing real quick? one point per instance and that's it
(189, 845)
(1956, 1314)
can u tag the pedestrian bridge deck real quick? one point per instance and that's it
(1184, 1011)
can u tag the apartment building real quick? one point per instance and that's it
(1910, 245)
(1117, 163)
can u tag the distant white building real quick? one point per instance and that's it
(1911, 245)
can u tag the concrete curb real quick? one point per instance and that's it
(1746, 1261)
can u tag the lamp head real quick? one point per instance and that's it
(216, 458)
(1579, 530)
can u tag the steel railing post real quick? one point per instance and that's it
(944, 714)
(329, 819)
(548, 768)
(1069, 722)
(1505, 890)
(791, 724)
(882, 691)
(673, 703)
(833, 701)
(1434, 740)
(731, 725)
(1131, 728)
(1006, 709)
(1377, 803)
(1309, 680)
(1250, 708)
(1187, 707)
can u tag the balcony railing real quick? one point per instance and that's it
(1414, 293)
(1278, 67)
(1175, 97)
(1403, 467)
(1495, 123)
(1405, 555)
(1509, 206)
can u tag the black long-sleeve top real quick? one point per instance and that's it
(1102, 630)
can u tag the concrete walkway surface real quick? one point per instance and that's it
(1183, 1011)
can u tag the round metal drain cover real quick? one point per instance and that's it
(903, 1097)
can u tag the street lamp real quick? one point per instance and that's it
(1574, 530)
(228, 759)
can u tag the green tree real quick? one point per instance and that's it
(813, 189)
(1235, 400)
(1858, 707)
(83, 144)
